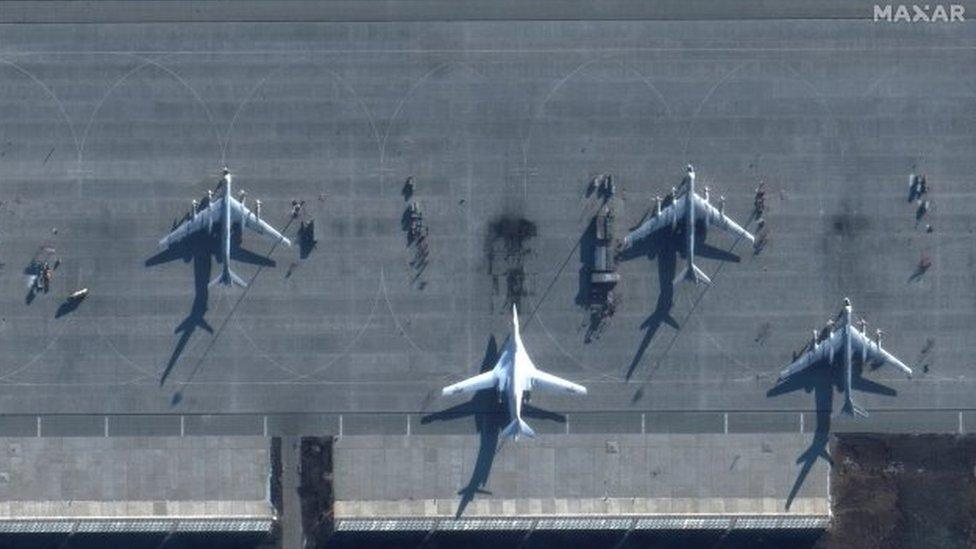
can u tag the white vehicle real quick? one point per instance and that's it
(689, 208)
(844, 337)
(512, 376)
(224, 210)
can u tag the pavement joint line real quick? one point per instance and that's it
(540, 51)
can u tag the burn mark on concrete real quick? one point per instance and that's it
(506, 247)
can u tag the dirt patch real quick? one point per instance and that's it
(315, 490)
(901, 491)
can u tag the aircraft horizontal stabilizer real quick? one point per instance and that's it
(693, 273)
(228, 277)
(518, 427)
(854, 410)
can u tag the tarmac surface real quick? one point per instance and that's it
(109, 131)
(143, 484)
(389, 478)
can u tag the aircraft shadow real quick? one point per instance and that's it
(819, 381)
(67, 307)
(706, 250)
(197, 248)
(490, 417)
(201, 248)
(822, 379)
(195, 319)
(663, 246)
(195, 244)
(306, 239)
(918, 273)
(246, 256)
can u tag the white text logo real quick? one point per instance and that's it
(915, 13)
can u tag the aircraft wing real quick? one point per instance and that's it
(255, 223)
(549, 382)
(812, 356)
(860, 341)
(484, 380)
(663, 219)
(199, 220)
(710, 213)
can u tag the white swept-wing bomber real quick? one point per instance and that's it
(224, 211)
(688, 209)
(513, 375)
(844, 337)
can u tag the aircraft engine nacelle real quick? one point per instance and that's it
(674, 217)
(706, 217)
(209, 209)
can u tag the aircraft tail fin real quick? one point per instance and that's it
(692, 273)
(229, 278)
(517, 427)
(853, 409)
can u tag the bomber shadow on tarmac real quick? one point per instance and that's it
(665, 246)
(200, 248)
(490, 416)
(822, 380)
(662, 245)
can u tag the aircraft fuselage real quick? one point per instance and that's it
(690, 218)
(225, 225)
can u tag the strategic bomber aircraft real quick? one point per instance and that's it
(224, 210)
(689, 208)
(843, 336)
(513, 375)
